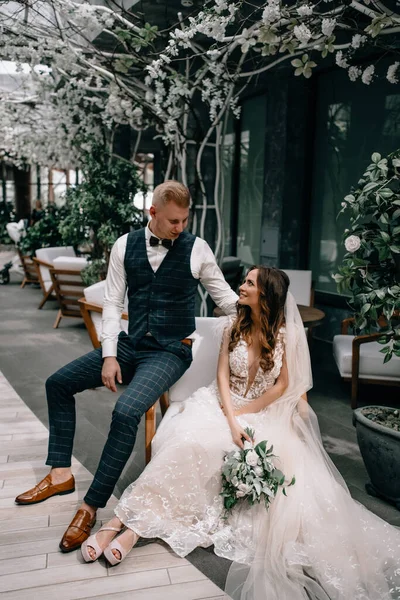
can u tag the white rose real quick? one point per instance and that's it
(243, 490)
(235, 481)
(247, 445)
(352, 243)
(396, 162)
(258, 471)
(252, 458)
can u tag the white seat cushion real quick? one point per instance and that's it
(72, 263)
(94, 294)
(371, 360)
(300, 285)
(49, 254)
(203, 369)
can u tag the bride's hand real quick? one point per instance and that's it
(238, 433)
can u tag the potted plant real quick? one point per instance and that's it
(370, 269)
(101, 208)
(378, 435)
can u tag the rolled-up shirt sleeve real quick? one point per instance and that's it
(213, 280)
(114, 297)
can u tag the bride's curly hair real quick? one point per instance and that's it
(273, 286)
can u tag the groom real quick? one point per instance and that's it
(160, 266)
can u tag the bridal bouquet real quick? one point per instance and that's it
(250, 473)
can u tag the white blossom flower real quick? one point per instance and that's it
(357, 40)
(305, 10)
(271, 13)
(243, 490)
(368, 74)
(258, 471)
(396, 162)
(341, 61)
(354, 73)
(352, 243)
(391, 75)
(343, 204)
(302, 33)
(252, 458)
(327, 27)
(247, 445)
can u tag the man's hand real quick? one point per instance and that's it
(110, 372)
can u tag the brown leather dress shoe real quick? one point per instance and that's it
(46, 489)
(78, 531)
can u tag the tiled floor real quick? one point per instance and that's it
(31, 565)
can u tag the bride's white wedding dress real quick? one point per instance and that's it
(317, 543)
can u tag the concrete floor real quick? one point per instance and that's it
(31, 350)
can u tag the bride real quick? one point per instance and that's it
(316, 543)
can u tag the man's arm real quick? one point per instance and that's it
(114, 297)
(213, 280)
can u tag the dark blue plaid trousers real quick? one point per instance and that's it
(147, 369)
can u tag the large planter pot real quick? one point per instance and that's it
(380, 449)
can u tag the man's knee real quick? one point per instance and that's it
(54, 382)
(128, 413)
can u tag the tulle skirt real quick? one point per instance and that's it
(316, 543)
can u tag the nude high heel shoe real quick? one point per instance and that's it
(115, 545)
(92, 542)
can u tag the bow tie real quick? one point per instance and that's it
(155, 241)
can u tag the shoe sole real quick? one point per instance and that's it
(44, 499)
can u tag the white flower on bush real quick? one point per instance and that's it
(391, 73)
(396, 162)
(327, 27)
(305, 11)
(252, 458)
(258, 471)
(368, 74)
(243, 490)
(302, 33)
(357, 40)
(354, 73)
(341, 61)
(352, 243)
(235, 481)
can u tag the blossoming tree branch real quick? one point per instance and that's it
(139, 76)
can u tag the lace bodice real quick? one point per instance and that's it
(239, 372)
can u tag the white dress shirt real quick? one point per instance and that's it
(203, 266)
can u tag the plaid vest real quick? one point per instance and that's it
(161, 303)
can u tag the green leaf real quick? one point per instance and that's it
(387, 357)
(396, 231)
(385, 236)
(365, 309)
(395, 249)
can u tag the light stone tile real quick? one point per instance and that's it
(35, 455)
(47, 577)
(185, 574)
(34, 510)
(39, 533)
(22, 565)
(195, 590)
(92, 588)
(23, 445)
(5, 437)
(20, 549)
(3, 458)
(24, 524)
(134, 564)
(8, 412)
(33, 426)
(23, 417)
(29, 436)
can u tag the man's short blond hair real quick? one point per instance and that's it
(172, 191)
